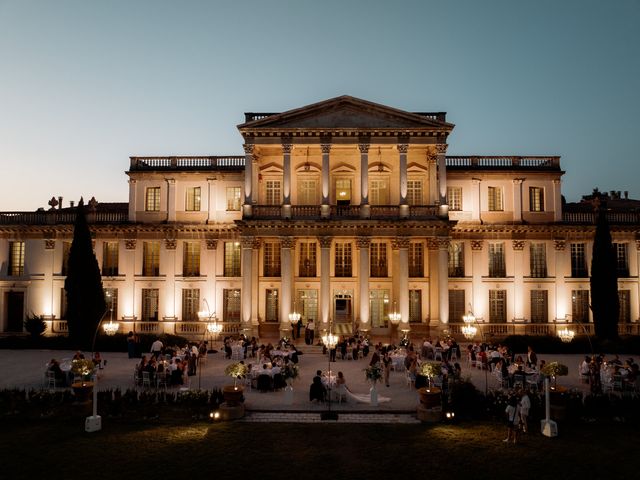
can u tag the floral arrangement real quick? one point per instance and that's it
(555, 369)
(431, 369)
(373, 372)
(404, 342)
(291, 371)
(82, 367)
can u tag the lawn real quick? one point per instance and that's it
(54, 448)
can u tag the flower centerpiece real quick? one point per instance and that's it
(82, 368)
(373, 373)
(554, 370)
(236, 371)
(430, 370)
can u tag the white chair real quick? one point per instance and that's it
(438, 354)
(407, 377)
(161, 380)
(146, 380)
(50, 379)
(453, 355)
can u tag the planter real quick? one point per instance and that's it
(288, 395)
(82, 391)
(430, 397)
(374, 395)
(232, 395)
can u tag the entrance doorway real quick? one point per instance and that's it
(342, 307)
(15, 311)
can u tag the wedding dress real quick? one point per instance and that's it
(361, 398)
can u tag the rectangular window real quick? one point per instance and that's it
(63, 304)
(150, 304)
(454, 198)
(343, 260)
(497, 267)
(624, 297)
(538, 260)
(536, 199)
(495, 199)
(379, 307)
(416, 260)
(539, 306)
(271, 259)
(343, 191)
(415, 306)
(622, 261)
(234, 199)
(66, 251)
(578, 261)
(580, 305)
(192, 201)
(456, 306)
(191, 259)
(110, 259)
(111, 300)
(379, 191)
(497, 306)
(307, 191)
(307, 259)
(150, 259)
(190, 304)
(152, 199)
(274, 192)
(378, 259)
(308, 304)
(232, 259)
(231, 304)
(414, 192)
(271, 313)
(456, 259)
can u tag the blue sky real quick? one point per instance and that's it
(85, 84)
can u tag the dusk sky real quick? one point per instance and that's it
(86, 84)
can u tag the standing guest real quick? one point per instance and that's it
(512, 413)
(293, 331)
(532, 358)
(298, 328)
(375, 358)
(525, 406)
(156, 347)
(311, 329)
(131, 344)
(191, 363)
(386, 366)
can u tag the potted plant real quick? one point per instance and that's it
(373, 374)
(82, 369)
(430, 396)
(233, 393)
(554, 370)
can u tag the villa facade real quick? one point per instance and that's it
(342, 211)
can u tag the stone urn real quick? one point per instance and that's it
(232, 395)
(430, 397)
(82, 391)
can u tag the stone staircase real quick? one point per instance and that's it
(314, 417)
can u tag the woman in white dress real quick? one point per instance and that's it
(341, 386)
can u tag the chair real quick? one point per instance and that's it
(161, 380)
(50, 379)
(453, 355)
(407, 377)
(146, 380)
(136, 378)
(518, 381)
(278, 381)
(438, 354)
(264, 382)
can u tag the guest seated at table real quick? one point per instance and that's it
(78, 356)
(317, 391)
(227, 347)
(54, 366)
(142, 365)
(457, 371)
(97, 360)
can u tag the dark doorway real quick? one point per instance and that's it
(15, 311)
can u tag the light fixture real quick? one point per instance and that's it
(330, 340)
(294, 317)
(214, 328)
(566, 335)
(111, 328)
(469, 331)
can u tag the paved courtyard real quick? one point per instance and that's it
(25, 369)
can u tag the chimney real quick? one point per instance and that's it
(626, 195)
(60, 203)
(71, 203)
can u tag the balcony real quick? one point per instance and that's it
(229, 162)
(503, 162)
(347, 212)
(60, 217)
(590, 218)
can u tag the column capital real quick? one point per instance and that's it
(559, 245)
(517, 245)
(130, 243)
(441, 148)
(432, 243)
(325, 242)
(170, 243)
(443, 243)
(286, 145)
(556, 181)
(212, 243)
(400, 243)
(363, 242)
(247, 242)
(171, 181)
(256, 244)
(518, 181)
(49, 243)
(432, 158)
(364, 147)
(248, 148)
(287, 242)
(403, 147)
(325, 147)
(477, 245)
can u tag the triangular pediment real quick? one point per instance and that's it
(345, 113)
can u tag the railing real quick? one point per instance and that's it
(59, 326)
(305, 211)
(146, 327)
(57, 217)
(528, 162)
(537, 329)
(229, 162)
(591, 217)
(253, 116)
(422, 211)
(440, 116)
(312, 212)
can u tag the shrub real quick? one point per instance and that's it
(35, 325)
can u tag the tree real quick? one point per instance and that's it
(85, 297)
(605, 304)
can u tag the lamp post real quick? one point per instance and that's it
(212, 327)
(330, 341)
(293, 319)
(94, 422)
(394, 318)
(469, 331)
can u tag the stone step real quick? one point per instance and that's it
(314, 417)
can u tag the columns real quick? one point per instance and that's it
(518, 279)
(477, 271)
(286, 180)
(434, 272)
(286, 247)
(402, 150)
(432, 162)
(476, 204)
(402, 245)
(325, 146)
(171, 200)
(557, 201)
(562, 296)
(210, 268)
(443, 280)
(132, 200)
(211, 200)
(248, 179)
(247, 248)
(363, 146)
(517, 200)
(363, 243)
(325, 280)
(441, 151)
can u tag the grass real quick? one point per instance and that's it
(54, 448)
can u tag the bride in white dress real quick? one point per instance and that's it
(342, 389)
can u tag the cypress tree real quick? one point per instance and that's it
(605, 304)
(85, 297)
